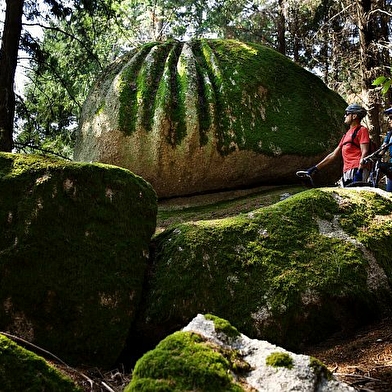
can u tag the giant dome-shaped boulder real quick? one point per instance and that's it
(206, 115)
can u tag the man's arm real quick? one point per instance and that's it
(329, 158)
(364, 153)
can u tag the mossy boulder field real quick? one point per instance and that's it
(74, 242)
(209, 114)
(83, 276)
(89, 273)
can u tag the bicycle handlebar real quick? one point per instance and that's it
(378, 153)
(305, 174)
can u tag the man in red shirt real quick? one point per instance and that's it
(353, 148)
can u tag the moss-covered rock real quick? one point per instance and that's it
(22, 370)
(207, 114)
(203, 358)
(183, 361)
(73, 249)
(297, 271)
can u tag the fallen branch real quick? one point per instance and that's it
(107, 387)
(357, 376)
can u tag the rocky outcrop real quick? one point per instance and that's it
(211, 355)
(74, 243)
(22, 370)
(292, 273)
(206, 115)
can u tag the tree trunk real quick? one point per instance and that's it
(372, 58)
(8, 62)
(281, 29)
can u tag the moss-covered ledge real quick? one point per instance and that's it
(294, 272)
(74, 244)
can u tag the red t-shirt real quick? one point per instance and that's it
(351, 152)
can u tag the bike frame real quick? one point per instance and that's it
(375, 160)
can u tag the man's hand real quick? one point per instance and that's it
(312, 170)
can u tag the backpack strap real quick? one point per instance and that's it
(354, 135)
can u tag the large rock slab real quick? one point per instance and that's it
(74, 243)
(211, 355)
(206, 115)
(292, 273)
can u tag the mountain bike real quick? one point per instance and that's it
(378, 169)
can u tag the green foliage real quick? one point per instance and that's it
(384, 83)
(22, 370)
(280, 359)
(183, 361)
(73, 51)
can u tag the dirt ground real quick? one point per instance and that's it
(363, 360)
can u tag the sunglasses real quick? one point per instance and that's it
(347, 114)
(389, 117)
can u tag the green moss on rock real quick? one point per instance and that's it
(22, 370)
(73, 251)
(274, 272)
(320, 369)
(223, 326)
(367, 216)
(183, 361)
(280, 359)
(233, 70)
(208, 114)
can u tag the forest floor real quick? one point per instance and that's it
(362, 359)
